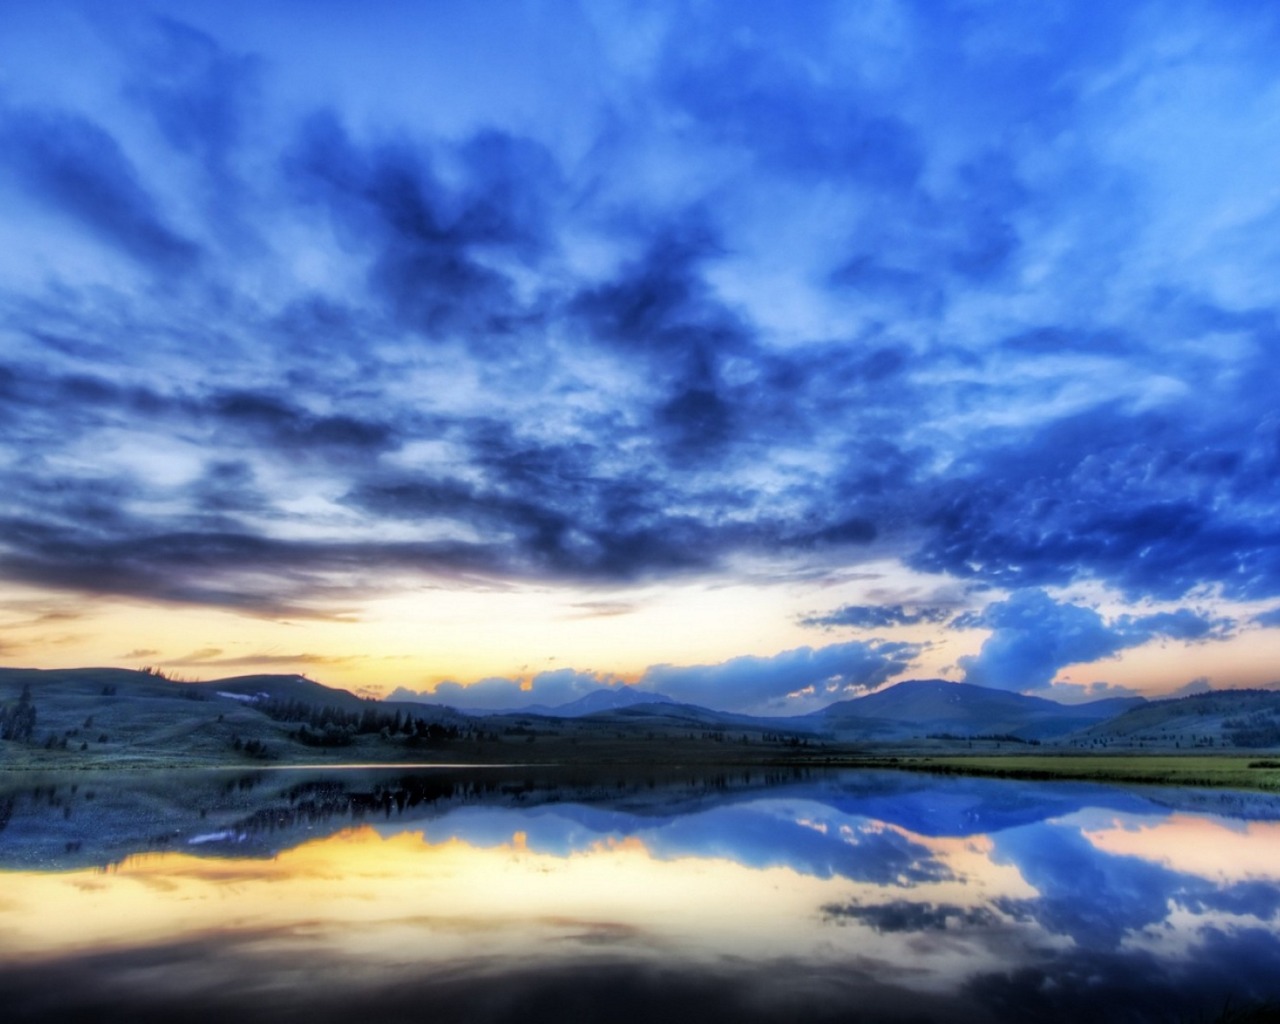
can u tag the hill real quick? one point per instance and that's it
(924, 707)
(605, 698)
(1220, 719)
(130, 717)
(258, 688)
(105, 717)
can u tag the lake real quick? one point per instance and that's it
(434, 894)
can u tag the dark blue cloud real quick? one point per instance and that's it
(906, 916)
(659, 310)
(1260, 899)
(1099, 900)
(753, 685)
(1034, 636)
(761, 685)
(275, 424)
(1183, 624)
(76, 167)
(1132, 499)
(205, 101)
(756, 294)
(659, 303)
(1095, 899)
(878, 616)
(423, 241)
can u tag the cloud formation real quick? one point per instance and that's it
(547, 689)
(816, 676)
(76, 168)
(792, 682)
(1033, 636)
(285, 330)
(878, 616)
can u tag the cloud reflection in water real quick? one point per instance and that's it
(755, 905)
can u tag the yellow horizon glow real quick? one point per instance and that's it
(420, 638)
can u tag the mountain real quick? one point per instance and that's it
(604, 698)
(1219, 719)
(607, 698)
(922, 707)
(912, 709)
(672, 713)
(261, 689)
(251, 689)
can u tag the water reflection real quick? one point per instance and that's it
(737, 897)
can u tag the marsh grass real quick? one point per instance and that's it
(1219, 770)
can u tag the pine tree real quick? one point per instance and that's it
(19, 722)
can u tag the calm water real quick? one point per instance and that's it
(489, 896)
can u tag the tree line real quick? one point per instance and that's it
(330, 726)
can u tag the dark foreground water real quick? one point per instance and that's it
(486, 895)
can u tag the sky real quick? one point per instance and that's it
(757, 354)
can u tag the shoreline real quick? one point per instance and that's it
(1260, 772)
(1221, 771)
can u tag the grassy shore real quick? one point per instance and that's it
(1257, 772)
(1219, 771)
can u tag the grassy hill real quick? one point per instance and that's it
(127, 715)
(123, 717)
(1222, 719)
(277, 687)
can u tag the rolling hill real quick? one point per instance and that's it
(108, 716)
(606, 698)
(923, 707)
(1220, 719)
(127, 716)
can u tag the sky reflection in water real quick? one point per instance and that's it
(898, 897)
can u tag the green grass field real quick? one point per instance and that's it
(1230, 771)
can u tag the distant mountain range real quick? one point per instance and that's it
(935, 706)
(116, 713)
(935, 709)
(606, 698)
(912, 708)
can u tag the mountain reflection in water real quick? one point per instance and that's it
(398, 895)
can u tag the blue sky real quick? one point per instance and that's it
(772, 352)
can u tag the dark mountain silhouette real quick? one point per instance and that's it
(920, 707)
(606, 698)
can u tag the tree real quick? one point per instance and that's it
(19, 722)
